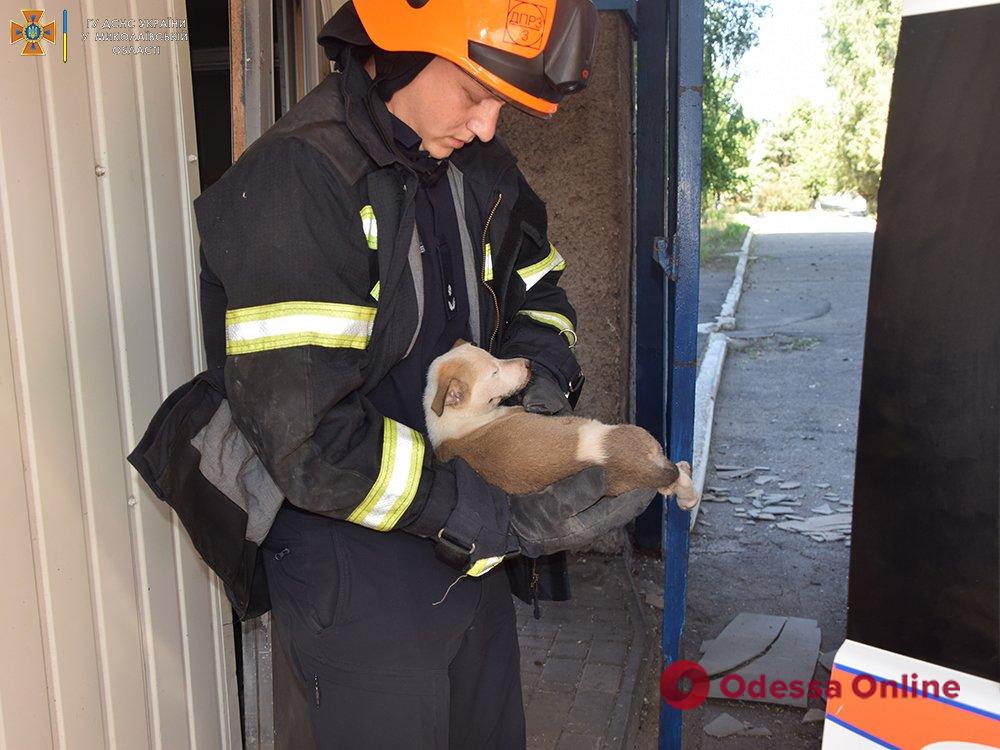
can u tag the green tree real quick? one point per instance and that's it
(730, 31)
(793, 161)
(861, 40)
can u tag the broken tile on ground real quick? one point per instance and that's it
(725, 725)
(744, 638)
(782, 648)
(814, 714)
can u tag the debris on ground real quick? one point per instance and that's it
(783, 648)
(826, 659)
(725, 725)
(814, 714)
(735, 473)
(831, 519)
(651, 593)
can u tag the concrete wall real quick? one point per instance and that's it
(115, 634)
(580, 163)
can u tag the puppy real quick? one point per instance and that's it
(521, 452)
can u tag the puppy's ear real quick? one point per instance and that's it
(458, 343)
(452, 394)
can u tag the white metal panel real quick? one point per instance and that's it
(120, 636)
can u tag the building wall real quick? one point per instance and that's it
(114, 634)
(580, 163)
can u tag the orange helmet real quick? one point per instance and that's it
(530, 53)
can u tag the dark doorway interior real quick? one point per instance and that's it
(208, 24)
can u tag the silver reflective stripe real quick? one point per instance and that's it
(484, 566)
(370, 226)
(300, 323)
(398, 478)
(533, 274)
(488, 264)
(557, 320)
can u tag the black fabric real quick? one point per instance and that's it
(446, 303)
(213, 302)
(384, 661)
(168, 463)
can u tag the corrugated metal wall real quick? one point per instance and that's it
(113, 632)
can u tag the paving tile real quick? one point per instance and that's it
(535, 641)
(581, 630)
(532, 659)
(545, 718)
(570, 741)
(603, 677)
(591, 712)
(570, 647)
(560, 674)
(608, 652)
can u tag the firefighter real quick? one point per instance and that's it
(374, 224)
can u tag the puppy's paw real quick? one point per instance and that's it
(683, 488)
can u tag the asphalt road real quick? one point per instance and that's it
(788, 400)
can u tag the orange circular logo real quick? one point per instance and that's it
(525, 24)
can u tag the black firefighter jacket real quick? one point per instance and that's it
(311, 238)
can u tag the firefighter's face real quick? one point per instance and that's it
(446, 108)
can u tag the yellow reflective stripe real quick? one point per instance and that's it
(284, 324)
(488, 264)
(398, 478)
(370, 226)
(558, 321)
(552, 262)
(375, 290)
(484, 566)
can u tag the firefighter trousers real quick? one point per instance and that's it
(384, 662)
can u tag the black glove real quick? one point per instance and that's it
(572, 512)
(542, 395)
(488, 525)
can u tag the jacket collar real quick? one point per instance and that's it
(370, 122)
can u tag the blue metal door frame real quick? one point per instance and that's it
(667, 259)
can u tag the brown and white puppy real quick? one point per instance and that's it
(521, 452)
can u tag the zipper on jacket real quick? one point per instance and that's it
(496, 305)
(533, 587)
(316, 688)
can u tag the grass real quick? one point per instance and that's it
(720, 234)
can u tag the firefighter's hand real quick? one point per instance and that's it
(542, 395)
(572, 512)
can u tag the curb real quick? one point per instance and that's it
(623, 726)
(726, 319)
(710, 373)
(705, 390)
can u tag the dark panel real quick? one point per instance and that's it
(925, 574)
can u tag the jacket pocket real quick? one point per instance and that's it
(168, 462)
(314, 568)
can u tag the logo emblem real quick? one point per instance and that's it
(690, 695)
(525, 24)
(32, 33)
